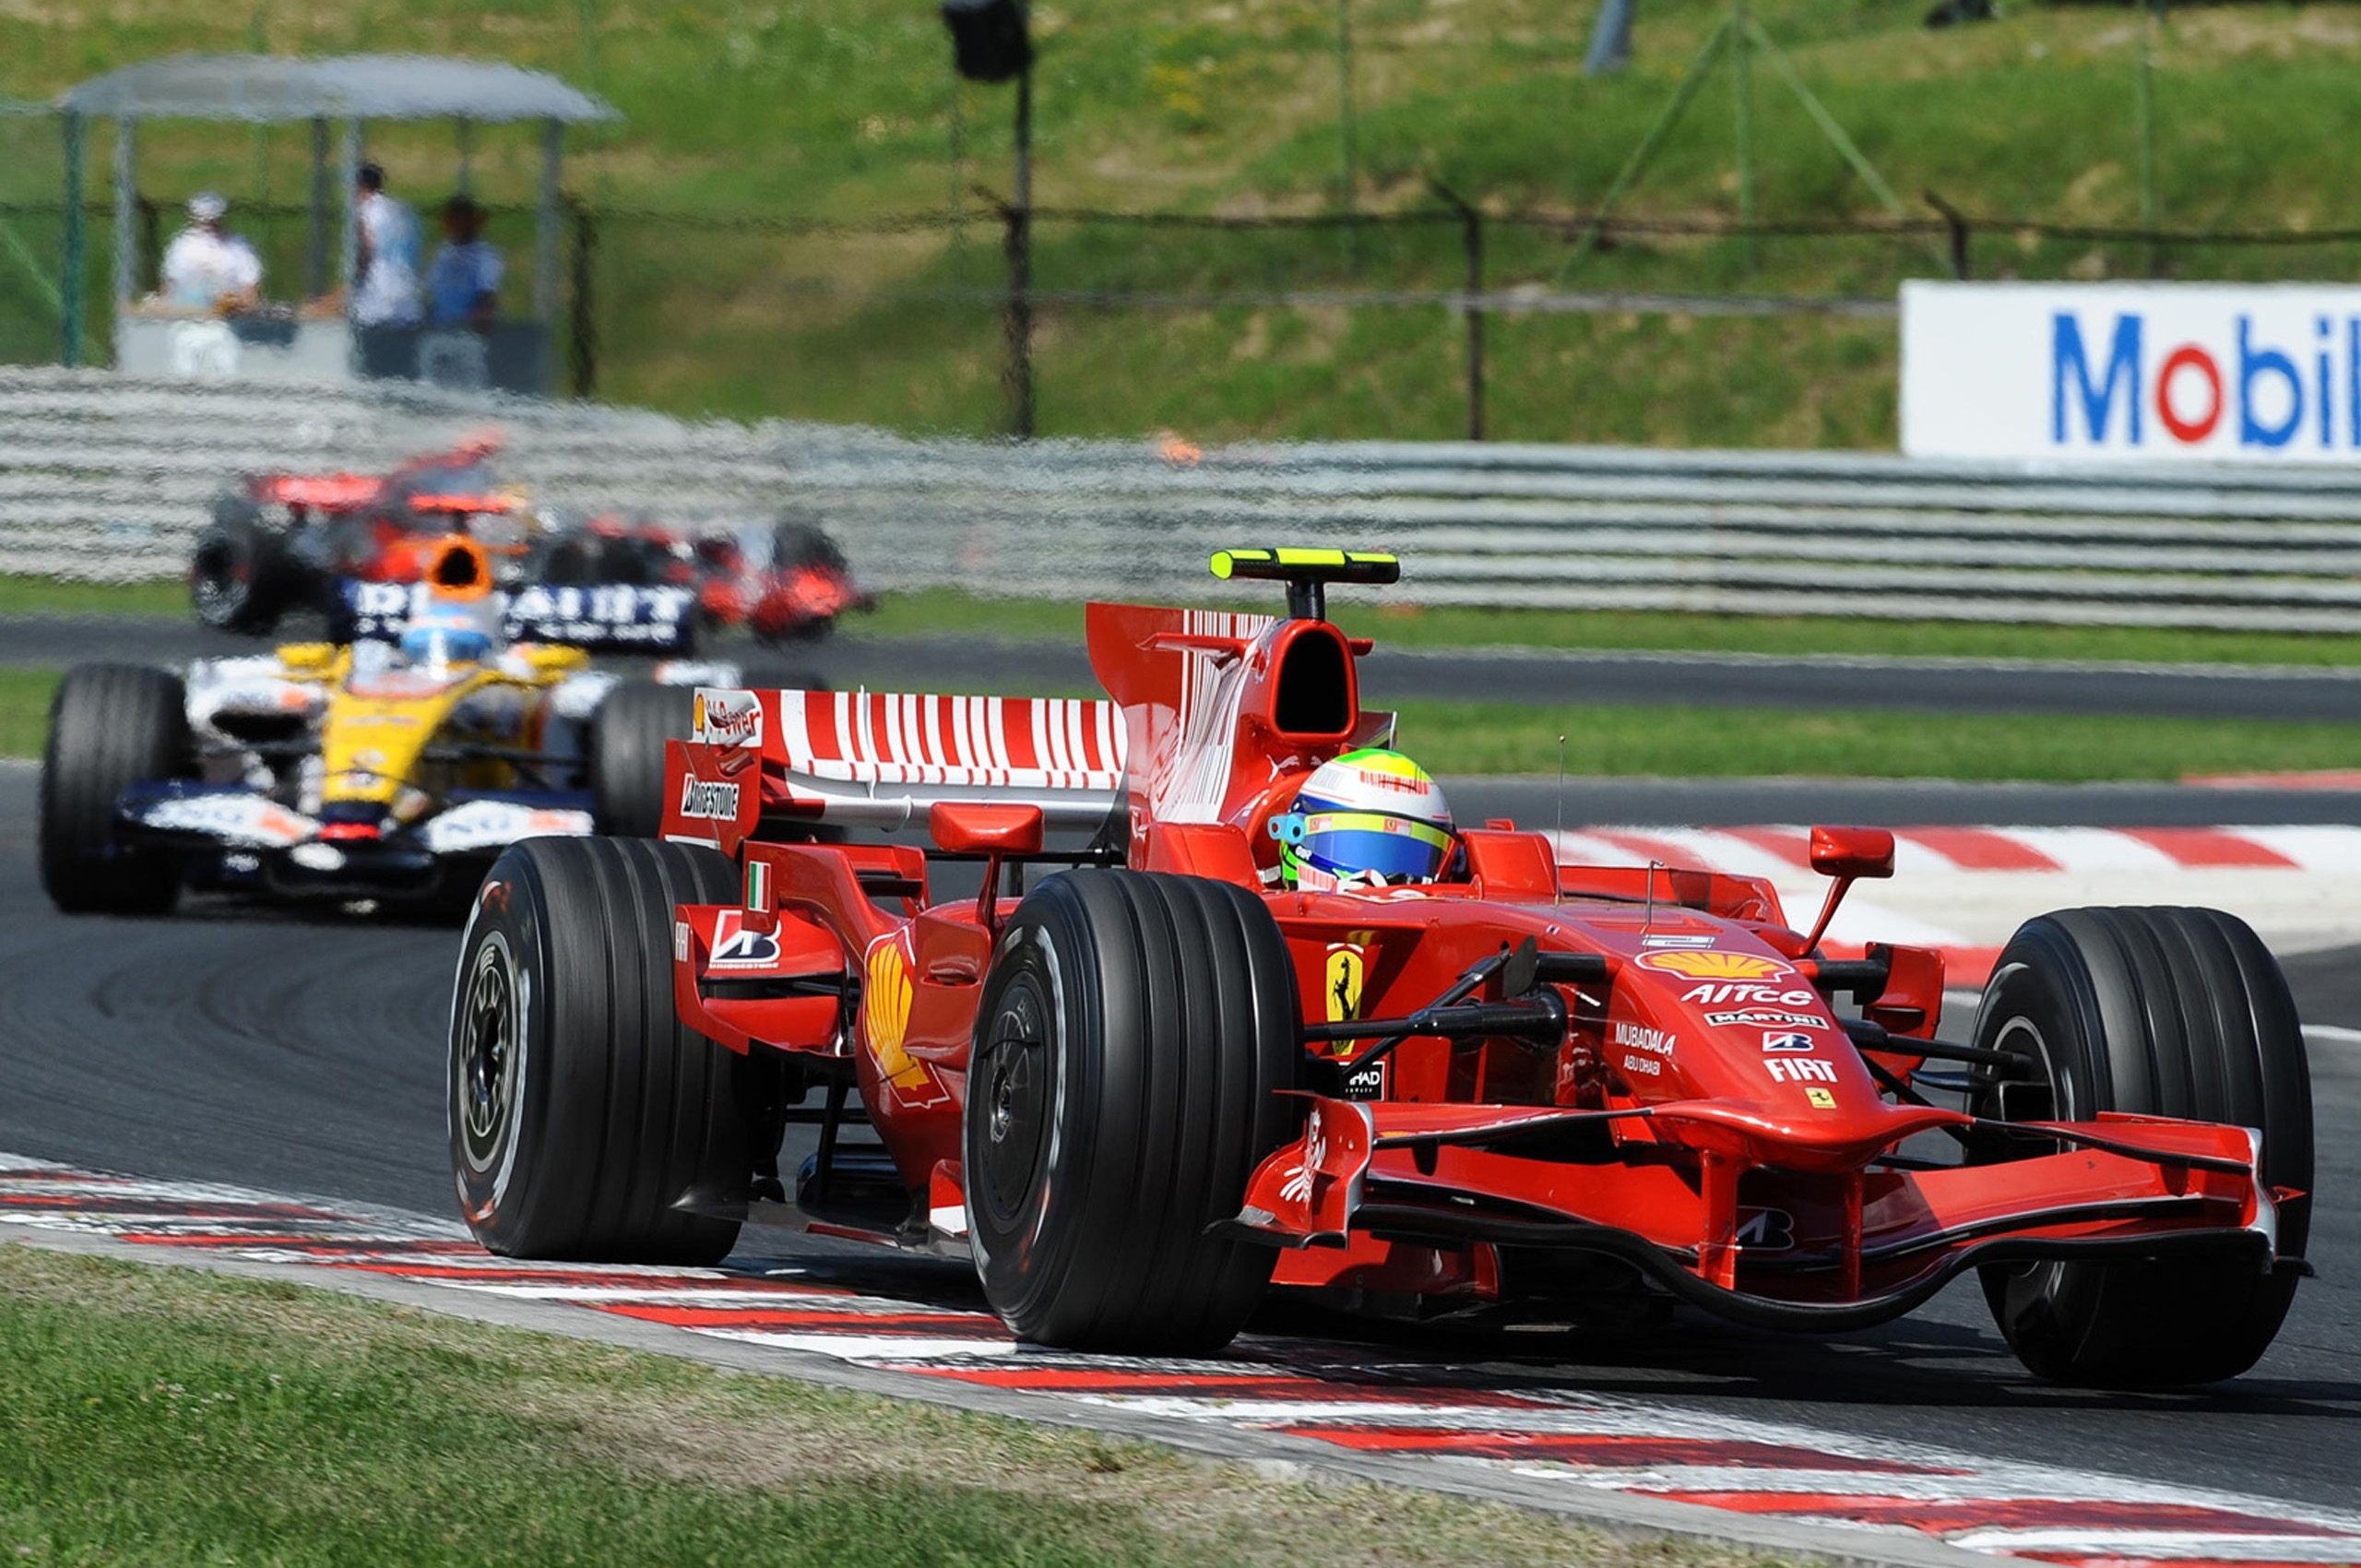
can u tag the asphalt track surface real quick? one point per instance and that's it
(1537, 675)
(250, 1047)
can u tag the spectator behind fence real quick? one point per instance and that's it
(463, 288)
(387, 292)
(208, 268)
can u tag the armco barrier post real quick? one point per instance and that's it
(69, 277)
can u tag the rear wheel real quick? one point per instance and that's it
(111, 726)
(627, 736)
(241, 578)
(1134, 1035)
(2166, 1012)
(583, 1114)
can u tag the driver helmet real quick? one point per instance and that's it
(1370, 819)
(449, 630)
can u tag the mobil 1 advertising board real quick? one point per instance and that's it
(2215, 373)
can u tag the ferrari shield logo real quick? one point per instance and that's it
(1347, 969)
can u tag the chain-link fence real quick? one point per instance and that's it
(1443, 320)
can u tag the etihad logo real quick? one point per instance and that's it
(1703, 964)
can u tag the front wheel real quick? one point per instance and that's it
(1135, 1035)
(2163, 1012)
(111, 726)
(585, 1119)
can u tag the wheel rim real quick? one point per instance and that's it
(2020, 1034)
(485, 1068)
(1013, 1107)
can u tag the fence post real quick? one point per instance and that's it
(69, 279)
(1471, 238)
(1016, 374)
(582, 345)
(1955, 223)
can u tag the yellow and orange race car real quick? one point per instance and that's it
(391, 771)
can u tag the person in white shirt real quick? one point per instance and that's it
(208, 268)
(387, 292)
(463, 287)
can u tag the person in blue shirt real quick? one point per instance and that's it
(463, 286)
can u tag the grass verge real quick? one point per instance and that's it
(1752, 742)
(168, 1417)
(24, 710)
(1609, 741)
(951, 612)
(48, 596)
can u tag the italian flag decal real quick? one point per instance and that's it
(758, 886)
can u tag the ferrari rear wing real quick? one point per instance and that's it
(881, 760)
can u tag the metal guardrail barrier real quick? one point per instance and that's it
(108, 479)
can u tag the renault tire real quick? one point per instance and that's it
(586, 1120)
(1135, 1035)
(627, 735)
(111, 726)
(2168, 1012)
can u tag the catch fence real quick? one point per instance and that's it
(1451, 318)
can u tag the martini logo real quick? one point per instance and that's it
(720, 718)
(1714, 965)
(885, 1021)
(1763, 1018)
(701, 802)
(737, 948)
(1348, 971)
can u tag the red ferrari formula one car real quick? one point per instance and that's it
(281, 542)
(1178, 1071)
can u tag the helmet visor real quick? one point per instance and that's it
(1391, 848)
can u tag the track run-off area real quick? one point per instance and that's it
(262, 1090)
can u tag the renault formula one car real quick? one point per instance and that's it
(344, 773)
(1152, 1086)
(283, 542)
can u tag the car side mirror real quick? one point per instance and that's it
(1852, 853)
(979, 827)
(992, 830)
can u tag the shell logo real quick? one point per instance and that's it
(887, 1020)
(1712, 964)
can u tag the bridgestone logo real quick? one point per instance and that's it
(708, 802)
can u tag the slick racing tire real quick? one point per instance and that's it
(111, 726)
(627, 736)
(1134, 1036)
(241, 578)
(2162, 1012)
(582, 1112)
